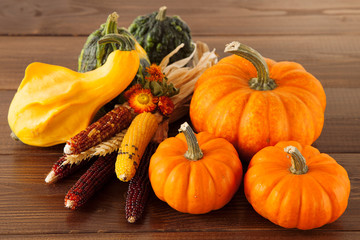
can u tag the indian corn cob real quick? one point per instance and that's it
(60, 170)
(91, 181)
(139, 187)
(107, 126)
(136, 139)
(102, 149)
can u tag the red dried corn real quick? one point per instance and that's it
(111, 123)
(91, 181)
(60, 170)
(139, 187)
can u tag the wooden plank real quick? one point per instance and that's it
(340, 133)
(332, 59)
(226, 235)
(342, 103)
(45, 17)
(28, 202)
(342, 121)
(18, 52)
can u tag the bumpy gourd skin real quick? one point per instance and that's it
(54, 103)
(159, 38)
(87, 59)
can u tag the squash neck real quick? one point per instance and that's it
(262, 82)
(194, 152)
(161, 15)
(125, 42)
(298, 162)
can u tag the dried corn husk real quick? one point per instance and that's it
(184, 74)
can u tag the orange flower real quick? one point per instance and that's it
(165, 105)
(155, 73)
(129, 92)
(142, 101)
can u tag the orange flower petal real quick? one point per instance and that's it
(129, 92)
(155, 73)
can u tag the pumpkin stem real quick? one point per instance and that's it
(263, 81)
(298, 162)
(194, 152)
(161, 14)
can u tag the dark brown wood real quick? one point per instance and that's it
(241, 235)
(226, 235)
(323, 36)
(225, 17)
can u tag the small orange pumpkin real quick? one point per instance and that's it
(255, 102)
(195, 173)
(296, 186)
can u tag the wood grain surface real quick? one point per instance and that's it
(324, 36)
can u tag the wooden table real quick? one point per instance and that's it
(322, 35)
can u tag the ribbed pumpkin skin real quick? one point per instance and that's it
(304, 201)
(200, 186)
(225, 105)
(159, 38)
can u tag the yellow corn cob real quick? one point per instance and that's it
(137, 137)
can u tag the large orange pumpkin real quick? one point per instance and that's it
(195, 173)
(296, 186)
(255, 102)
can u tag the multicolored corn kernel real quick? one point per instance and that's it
(107, 126)
(91, 181)
(139, 187)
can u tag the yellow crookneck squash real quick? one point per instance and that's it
(54, 103)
